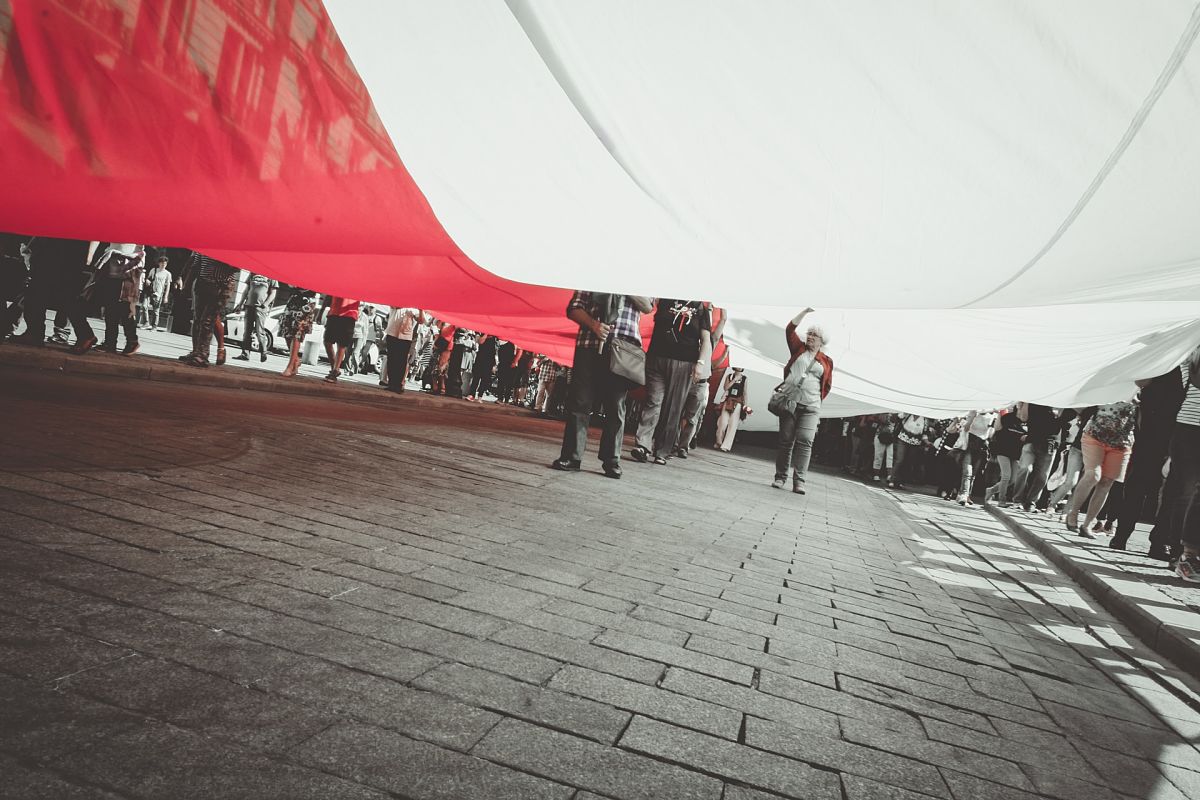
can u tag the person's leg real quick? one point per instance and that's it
(1021, 472)
(218, 326)
(1099, 496)
(1093, 459)
(580, 397)
(787, 444)
(656, 385)
(679, 383)
(1043, 457)
(612, 401)
(806, 431)
(722, 425)
(129, 323)
(1070, 478)
(405, 345)
(900, 454)
(880, 456)
(1006, 470)
(967, 477)
(543, 394)
(731, 428)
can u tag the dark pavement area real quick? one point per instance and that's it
(212, 593)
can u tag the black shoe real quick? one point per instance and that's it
(657, 459)
(108, 348)
(1117, 543)
(131, 348)
(680, 452)
(242, 357)
(612, 469)
(640, 454)
(565, 465)
(187, 357)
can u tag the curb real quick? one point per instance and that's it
(1162, 637)
(154, 368)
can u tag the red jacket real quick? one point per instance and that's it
(797, 346)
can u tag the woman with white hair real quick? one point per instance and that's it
(808, 375)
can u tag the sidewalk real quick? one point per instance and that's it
(1162, 610)
(158, 361)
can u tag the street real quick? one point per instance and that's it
(211, 593)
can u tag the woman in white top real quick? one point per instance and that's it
(974, 442)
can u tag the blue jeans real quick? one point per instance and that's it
(796, 432)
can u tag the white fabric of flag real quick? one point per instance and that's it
(985, 201)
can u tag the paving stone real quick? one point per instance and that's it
(418, 770)
(155, 760)
(649, 701)
(580, 653)
(27, 783)
(834, 754)
(678, 656)
(554, 709)
(943, 755)
(730, 760)
(588, 765)
(750, 701)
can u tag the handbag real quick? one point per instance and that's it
(627, 360)
(784, 398)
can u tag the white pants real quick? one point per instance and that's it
(884, 452)
(727, 425)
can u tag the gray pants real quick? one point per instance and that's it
(667, 385)
(693, 412)
(796, 433)
(592, 381)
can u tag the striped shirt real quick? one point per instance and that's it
(625, 325)
(210, 270)
(1189, 412)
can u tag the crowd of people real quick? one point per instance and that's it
(1100, 469)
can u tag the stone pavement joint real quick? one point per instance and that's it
(219, 593)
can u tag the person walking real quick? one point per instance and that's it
(483, 368)
(294, 325)
(910, 438)
(679, 354)
(1106, 443)
(212, 284)
(809, 374)
(1161, 399)
(1006, 450)
(1178, 519)
(1037, 455)
(885, 448)
(601, 318)
(973, 441)
(155, 293)
(256, 302)
(547, 372)
(398, 338)
(339, 333)
(116, 285)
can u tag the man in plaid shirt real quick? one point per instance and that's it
(591, 379)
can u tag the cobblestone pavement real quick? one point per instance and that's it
(215, 594)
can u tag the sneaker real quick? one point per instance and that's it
(612, 469)
(565, 465)
(1188, 568)
(658, 459)
(777, 483)
(875, 479)
(187, 357)
(1108, 526)
(891, 485)
(242, 357)
(798, 487)
(680, 452)
(196, 361)
(83, 345)
(131, 348)
(640, 454)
